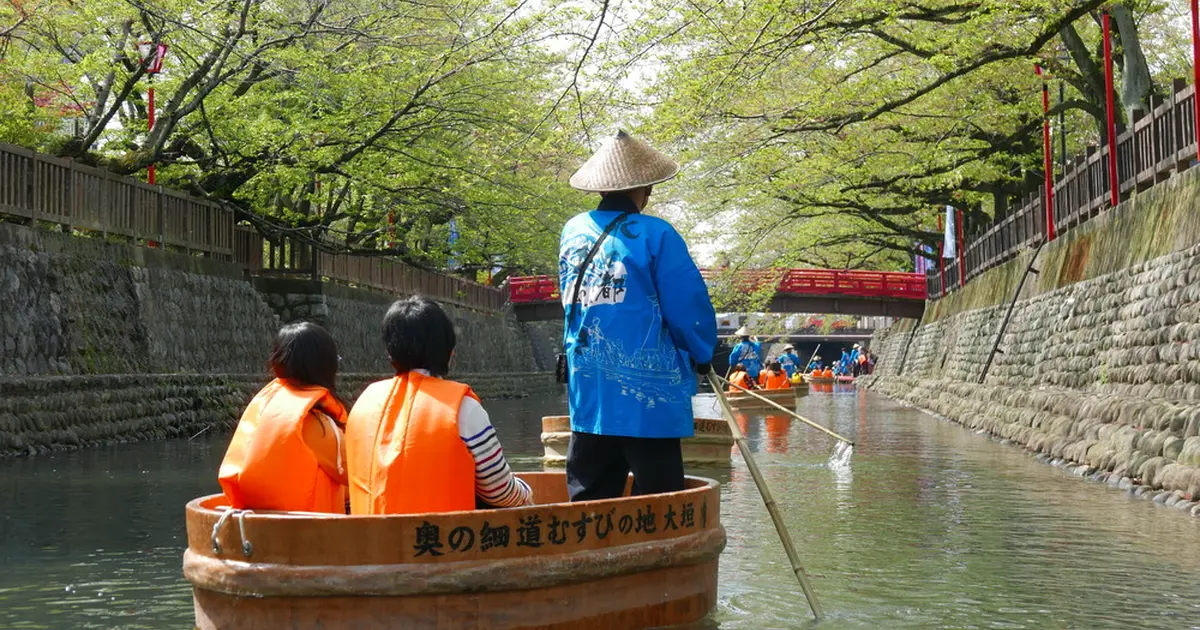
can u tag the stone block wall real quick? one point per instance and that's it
(106, 342)
(44, 414)
(83, 306)
(1100, 364)
(545, 340)
(486, 341)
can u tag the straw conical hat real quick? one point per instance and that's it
(624, 163)
(742, 332)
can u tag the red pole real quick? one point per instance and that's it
(1196, 70)
(941, 260)
(1114, 185)
(962, 268)
(149, 128)
(1047, 158)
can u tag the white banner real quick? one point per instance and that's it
(948, 239)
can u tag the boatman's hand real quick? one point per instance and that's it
(703, 368)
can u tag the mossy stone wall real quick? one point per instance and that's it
(1100, 365)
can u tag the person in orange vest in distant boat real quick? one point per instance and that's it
(740, 378)
(287, 452)
(774, 377)
(417, 442)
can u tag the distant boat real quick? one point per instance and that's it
(632, 562)
(742, 401)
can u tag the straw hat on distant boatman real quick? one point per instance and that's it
(652, 298)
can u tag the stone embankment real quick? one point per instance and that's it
(1100, 365)
(39, 415)
(106, 342)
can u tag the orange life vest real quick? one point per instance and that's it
(828, 373)
(741, 379)
(268, 466)
(404, 454)
(774, 380)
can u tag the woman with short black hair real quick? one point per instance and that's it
(416, 442)
(287, 451)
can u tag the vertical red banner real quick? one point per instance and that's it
(150, 170)
(1047, 157)
(1111, 110)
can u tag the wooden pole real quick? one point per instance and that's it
(768, 499)
(1008, 314)
(1110, 111)
(791, 413)
(810, 359)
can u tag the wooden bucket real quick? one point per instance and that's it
(632, 562)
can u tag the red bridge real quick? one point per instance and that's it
(797, 291)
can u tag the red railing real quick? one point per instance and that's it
(533, 289)
(876, 284)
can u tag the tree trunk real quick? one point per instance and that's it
(1135, 74)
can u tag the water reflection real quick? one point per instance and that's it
(929, 527)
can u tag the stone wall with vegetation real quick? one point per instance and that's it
(105, 342)
(44, 414)
(84, 306)
(1100, 364)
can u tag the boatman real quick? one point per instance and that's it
(638, 323)
(748, 352)
(789, 360)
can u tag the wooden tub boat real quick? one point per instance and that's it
(712, 444)
(632, 562)
(742, 402)
(819, 380)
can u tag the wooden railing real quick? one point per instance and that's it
(294, 256)
(40, 188)
(1160, 143)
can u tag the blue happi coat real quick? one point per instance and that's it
(749, 354)
(790, 363)
(643, 316)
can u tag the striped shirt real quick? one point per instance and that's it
(495, 483)
(494, 480)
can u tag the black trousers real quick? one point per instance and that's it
(598, 466)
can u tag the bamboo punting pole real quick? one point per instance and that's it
(769, 500)
(787, 411)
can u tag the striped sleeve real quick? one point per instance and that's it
(495, 483)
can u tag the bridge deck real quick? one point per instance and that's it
(797, 291)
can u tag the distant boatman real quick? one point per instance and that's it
(637, 319)
(748, 352)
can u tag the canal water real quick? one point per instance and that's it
(931, 526)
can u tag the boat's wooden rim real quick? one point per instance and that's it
(701, 426)
(551, 528)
